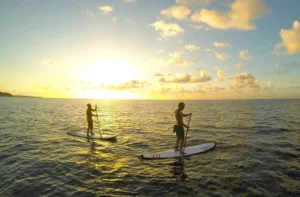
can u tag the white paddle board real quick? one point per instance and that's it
(95, 136)
(191, 150)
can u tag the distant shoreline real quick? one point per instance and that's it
(6, 94)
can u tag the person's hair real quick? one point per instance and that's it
(181, 104)
(89, 105)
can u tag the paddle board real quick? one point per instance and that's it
(191, 150)
(95, 136)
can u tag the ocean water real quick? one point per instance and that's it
(257, 152)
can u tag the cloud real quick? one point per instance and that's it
(211, 88)
(193, 2)
(279, 72)
(198, 27)
(168, 90)
(219, 56)
(221, 74)
(244, 54)
(129, 21)
(293, 80)
(178, 12)
(191, 48)
(268, 87)
(89, 12)
(106, 9)
(130, 85)
(241, 15)
(167, 30)
(50, 62)
(174, 60)
(239, 66)
(242, 81)
(290, 41)
(130, 1)
(187, 78)
(162, 74)
(221, 44)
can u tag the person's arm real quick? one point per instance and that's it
(185, 115)
(185, 125)
(95, 108)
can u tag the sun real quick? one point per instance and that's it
(108, 72)
(103, 73)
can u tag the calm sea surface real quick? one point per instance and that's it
(257, 152)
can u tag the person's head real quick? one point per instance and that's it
(181, 105)
(89, 106)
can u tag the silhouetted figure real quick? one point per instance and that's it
(178, 128)
(89, 115)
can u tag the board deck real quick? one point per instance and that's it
(191, 150)
(95, 136)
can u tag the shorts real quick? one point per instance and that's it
(179, 131)
(90, 122)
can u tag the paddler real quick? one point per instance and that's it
(179, 127)
(89, 115)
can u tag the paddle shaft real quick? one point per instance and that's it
(186, 135)
(98, 123)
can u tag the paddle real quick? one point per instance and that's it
(98, 122)
(186, 136)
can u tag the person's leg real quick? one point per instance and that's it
(92, 129)
(176, 146)
(181, 145)
(88, 130)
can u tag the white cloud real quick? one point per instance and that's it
(191, 2)
(129, 21)
(174, 60)
(50, 62)
(106, 9)
(89, 12)
(130, 1)
(130, 85)
(239, 66)
(187, 78)
(178, 12)
(191, 48)
(242, 81)
(167, 30)
(290, 40)
(221, 74)
(198, 27)
(221, 44)
(241, 15)
(244, 54)
(204, 77)
(267, 87)
(168, 74)
(219, 56)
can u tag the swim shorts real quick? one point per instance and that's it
(179, 131)
(90, 121)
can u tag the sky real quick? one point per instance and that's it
(158, 49)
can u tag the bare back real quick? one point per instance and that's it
(179, 117)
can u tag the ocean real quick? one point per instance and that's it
(257, 152)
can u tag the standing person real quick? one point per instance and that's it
(89, 115)
(179, 127)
